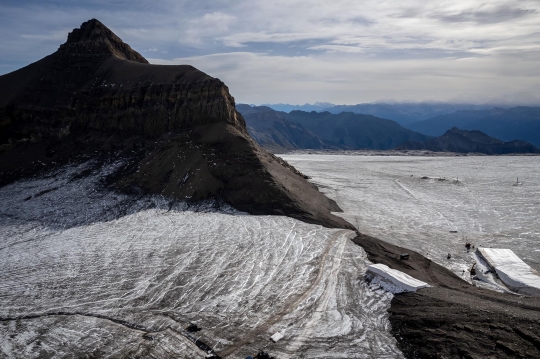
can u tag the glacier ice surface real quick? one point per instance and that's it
(434, 205)
(90, 271)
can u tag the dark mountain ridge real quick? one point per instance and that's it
(323, 130)
(516, 123)
(461, 141)
(177, 128)
(94, 37)
(275, 133)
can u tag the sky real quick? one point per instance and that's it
(299, 51)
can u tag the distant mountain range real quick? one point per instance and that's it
(355, 131)
(280, 131)
(402, 113)
(406, 113)
(462, 141)
(434, 119)
(517, 123)
(317, 106)
(272, 131)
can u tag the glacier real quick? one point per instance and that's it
(435, 205)
(88, 271)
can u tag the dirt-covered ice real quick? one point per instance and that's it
(434, 205)
(89, 272)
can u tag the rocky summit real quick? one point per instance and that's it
(177, 127)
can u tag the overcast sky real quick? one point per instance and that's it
(298, 51)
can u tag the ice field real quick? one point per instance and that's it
(434, 205)
(89, 272)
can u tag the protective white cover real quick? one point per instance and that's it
(276, 337)
(512, 271)
(401, 280)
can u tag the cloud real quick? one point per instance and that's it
(208, 26)
(56, 36)
(308, 50)
(337, 48)
(263, 78)
(490, 16)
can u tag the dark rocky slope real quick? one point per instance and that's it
(454, 319)
(461, 141)
(176, 126)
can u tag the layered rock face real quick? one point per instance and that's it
(88, 84)
(94, 37)
(178, 127)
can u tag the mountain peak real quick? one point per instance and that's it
(91, 30)
(95, 38)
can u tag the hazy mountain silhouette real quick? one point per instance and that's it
(516, 123)
(273, 132)
(405, 113)
(285, 107)
(461, 141)
(313, 130)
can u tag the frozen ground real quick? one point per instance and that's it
(417, 202)
(88, 272)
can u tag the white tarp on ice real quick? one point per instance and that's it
(403, 281)
(512, 271)
(276, 337)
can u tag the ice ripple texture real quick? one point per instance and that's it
(434, 205)
(90, 272)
